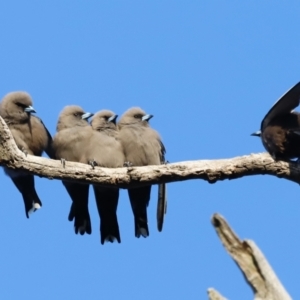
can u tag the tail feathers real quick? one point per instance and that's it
(25, 185)
(161, 205)
(139, 199)
(35, 205)
(109, 230)
(82, 221)
(141, 227)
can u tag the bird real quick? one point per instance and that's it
(31, 137)
(72, 137)
(108, 152)
(280, 128)
(142, 146)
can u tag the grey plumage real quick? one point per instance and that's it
(107, 151)
(31, 136)
(72, 137)
(280, 128)
(142, 146)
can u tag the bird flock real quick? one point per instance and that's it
(130, 142)
(102, 142)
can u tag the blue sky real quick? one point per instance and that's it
(208, 72)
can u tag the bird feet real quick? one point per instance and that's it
(127, 164)
(24, 151)
(93, 164)
(63, 162)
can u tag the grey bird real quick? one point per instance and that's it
(31, 137)
(280, 128)
(108, 152)
(142, 146)
(73, 135)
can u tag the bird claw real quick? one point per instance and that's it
(24, 151)
(127, 164)
(63, 162)
(93, 164)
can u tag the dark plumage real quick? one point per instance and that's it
(107, 151)
(280, 128)
(72, 137)
(142, 146)
(31, 136)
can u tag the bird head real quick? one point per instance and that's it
(72, 116)
(135, 115)
(104, 119)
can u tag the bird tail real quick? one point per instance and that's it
(141, 225)
(107, 203)
(25, 185)
(139, 199)
(161, 205)
(109, 229)
(81, 217)
(79, 211)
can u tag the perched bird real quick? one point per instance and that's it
(280, 128)
(31, 137)
(142, 146)
(69, 143)
(108, 152)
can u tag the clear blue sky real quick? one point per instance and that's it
(208, 72)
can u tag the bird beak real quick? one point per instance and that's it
(113, 118)
(257, 133)
(147, 117)
(86, 116)
(29, 109)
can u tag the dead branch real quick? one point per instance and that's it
(251, 261)
(214, 295)
(209, 170)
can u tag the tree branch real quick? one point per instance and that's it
(214, 295)
(254, 266)
(209, 170)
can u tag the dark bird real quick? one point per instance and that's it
(142, 146)
(108, 152)
(69, 143)
(31, 137)
(280, 128)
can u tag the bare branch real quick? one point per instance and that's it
(214, 295)
(254, 266)
(209, 170)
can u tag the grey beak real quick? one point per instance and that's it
(29, 109)
(113, 118)
(257, 133)
(147, 117)
(86, 116)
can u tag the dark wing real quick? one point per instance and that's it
(285, 104)
(162, 152)
(49, 148)
(107, 202)
(25, 185)
(79, 211)
(162, 195)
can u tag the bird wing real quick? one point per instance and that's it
(284, 105)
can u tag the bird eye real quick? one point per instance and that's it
(137, 116)
(20, 104)
(76, 114)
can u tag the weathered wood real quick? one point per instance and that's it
(214, 295)
(254, 266)
(209, 170)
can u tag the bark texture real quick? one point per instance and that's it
(251, 261)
